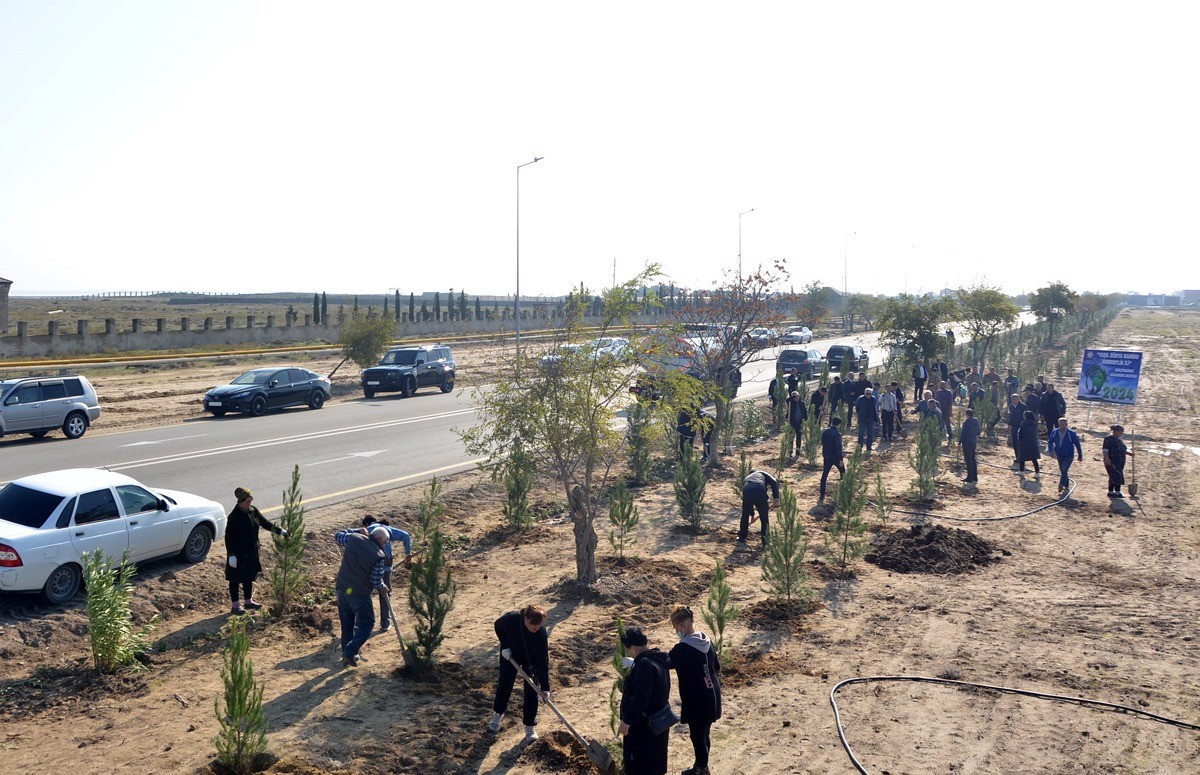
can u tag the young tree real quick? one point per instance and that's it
(1052, 303)
(986, 313)
(396, 306)
(424, 311)
(516, 473)
(431, 593)
(437, 305)
(462, 305)
(316, 315)
(642, 434)
(324, 309)
(719, 610)
(618, 688)
(914, 324)
(478, 309)
(412, 307)
(288, 577)
(689, 490)
(623, 516)
(744, 469)
(783, 558)
(846, 539)
(881, 501)
(924, 459)
(813, 303)
(242, 737)
(564, 416)
(114, 640)
(363, 340)
(355, 308)
(431, 510)
(385, 306)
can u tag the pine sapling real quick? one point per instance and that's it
(242, 736)
(288, 577)
(783, 558)
(430, 511)
(787, 442)
(880, 500)
(779, 409)
(811, 438)
(689, 490)
(924, 458)
(753, 427)
(623, 516)
(114, 640)
(431, 592)
(744, 469)
(517, 475)
(719, 610)
(618, 687)
(641, 442)
(846, 539)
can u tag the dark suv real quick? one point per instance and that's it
(406, 370)
(853, 355)
(806, 360)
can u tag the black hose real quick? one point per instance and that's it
(987, 687)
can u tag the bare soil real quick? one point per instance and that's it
(1095, 598)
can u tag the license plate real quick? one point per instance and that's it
(214, 403)
(372, 382)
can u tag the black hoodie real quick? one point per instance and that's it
(647, 688)
(694, 661)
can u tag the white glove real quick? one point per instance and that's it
(627, 663)
(506, 653)
(232, 561)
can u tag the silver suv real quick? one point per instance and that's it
(38, 405)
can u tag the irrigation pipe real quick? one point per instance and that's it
(1108, 706)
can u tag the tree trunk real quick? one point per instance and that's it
(585, 536)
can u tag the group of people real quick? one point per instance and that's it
(645, 701)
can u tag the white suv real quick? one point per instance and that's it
(38, 405)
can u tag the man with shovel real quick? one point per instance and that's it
(363, 565)
(523, 638)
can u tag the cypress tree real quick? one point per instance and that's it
(324, 309)
(412, 308)
(478, 311)
(316, 308)
(397, 305)
(437, 305)
(385, 308)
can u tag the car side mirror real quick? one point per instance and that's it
(273, 383)
(163, 505)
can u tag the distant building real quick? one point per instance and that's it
(1152, 300)
(1191, 297)
(4, 286)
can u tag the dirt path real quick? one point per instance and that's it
(1093, 598)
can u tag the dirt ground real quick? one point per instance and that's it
(1092, 598)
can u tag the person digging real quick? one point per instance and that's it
(754, 497)
(523, 638)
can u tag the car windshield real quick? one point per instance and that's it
(27, 507)
(399, 358)
(256, 377)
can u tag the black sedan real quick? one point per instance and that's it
(260, 390)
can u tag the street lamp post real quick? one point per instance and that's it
(846, 284)
(517, 306)
(740, 242)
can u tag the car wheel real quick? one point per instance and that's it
(62, 585)
(448, 383)
(218, 412)
(197, 545)
(408, 388)
(258, 406)
(38, 434)
(317, 399)
(75, 425)
(368, 393)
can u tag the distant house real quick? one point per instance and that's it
(1151, 300)
(4, 286)
(1191, 297)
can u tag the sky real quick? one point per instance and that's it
(366, 147)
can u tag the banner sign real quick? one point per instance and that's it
(1110, 376)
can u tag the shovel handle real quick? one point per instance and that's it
(521, 672)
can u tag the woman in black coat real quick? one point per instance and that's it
(1029, 446)
(697, 669)
(241, 543)
(647, 690)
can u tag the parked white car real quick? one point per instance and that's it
(47, 522)
(796, 335)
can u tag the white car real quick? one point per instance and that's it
(47, 522)
(796, 335)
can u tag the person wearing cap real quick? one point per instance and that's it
(1114, 460)
(242, 565)
(1063, 444)
(394, 534)
(523, 638)
(647, 690)
(697, 670)
(363, 565)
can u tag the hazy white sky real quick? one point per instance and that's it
(358, 147)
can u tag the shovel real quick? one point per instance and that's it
(406, 651)
(1133, 488)
(595, 751)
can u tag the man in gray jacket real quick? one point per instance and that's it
(363, 566)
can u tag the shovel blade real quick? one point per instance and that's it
(1133, 488)
(600, 756)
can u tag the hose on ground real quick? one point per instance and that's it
(1107, 706)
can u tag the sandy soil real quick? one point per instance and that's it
(1091, 598)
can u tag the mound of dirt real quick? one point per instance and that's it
(63, 691)
(558, 752)
(931, 549)
(642, 590)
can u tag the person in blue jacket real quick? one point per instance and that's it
(1064, 445)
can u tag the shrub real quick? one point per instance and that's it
(288, 579)
(783, 559)
(430, 598)
(517, 475)
(242, 738)
(689, 490)
(623, 516)
(753, 427)
(780, 408)
(641, 441)
(115, 641)
(719, 610)
(846, 539)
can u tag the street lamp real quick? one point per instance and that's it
(517, 307)
(740, 242)
(846, 284)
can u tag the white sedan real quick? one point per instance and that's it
(47, 522)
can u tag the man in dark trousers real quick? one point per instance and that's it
(945, 399)
(793, 380)
(697, 672)
(241, 543)
(919, 376)
(774, 388)
(867, 406)
(754, 496)
(831, 452)
(797, 414)
(1052, 406)
(647, 690)
(942, 371)
(523, 638)
(835, 394)
(1012, 383)
(968, 438)
(1115, 452)
(817, 402)
(1064, 444)
(850, 395)
(363, 566)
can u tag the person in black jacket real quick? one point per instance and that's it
(241, 543)
(754, 496)
(697, 670)
(797, 415)
(647, 690)
(1029, 446)
(522, 637)
(817, 402)
(1052, 406)
(832, 452)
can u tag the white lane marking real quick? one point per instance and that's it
(161, 441)
(454, 467)
(351, 456)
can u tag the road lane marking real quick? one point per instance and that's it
(431, 472)
(351, 456)
(162, 441)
